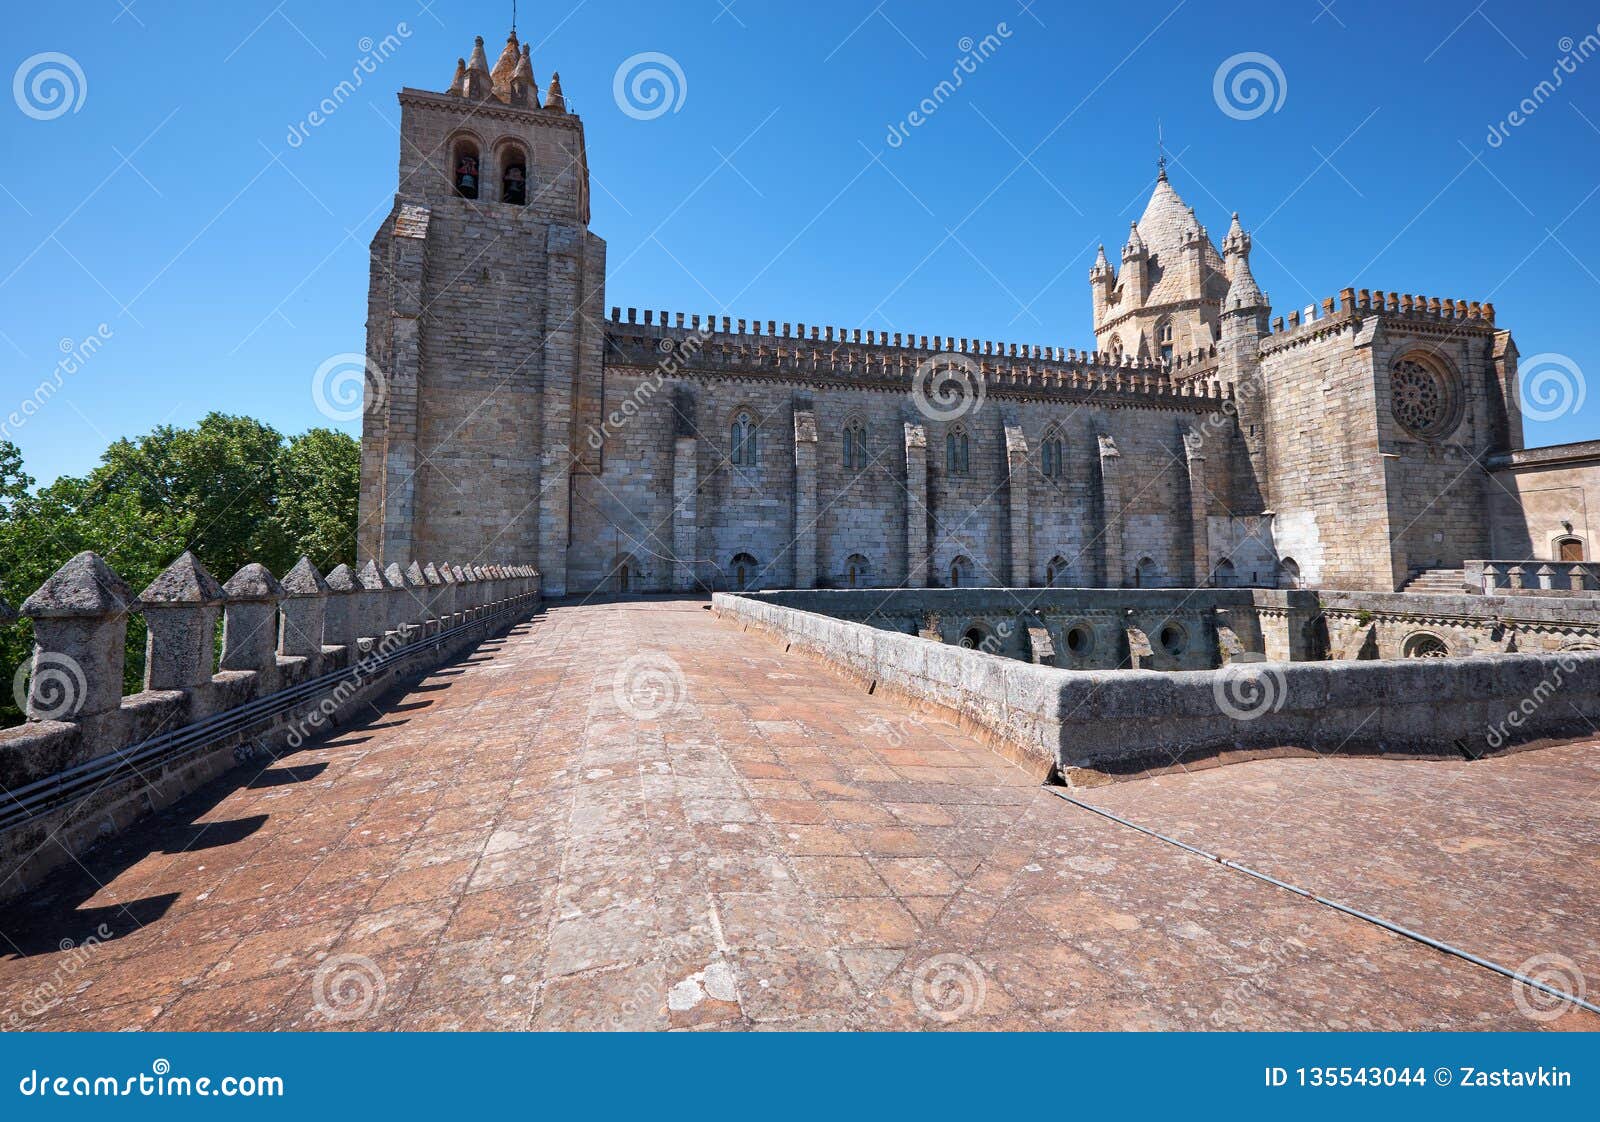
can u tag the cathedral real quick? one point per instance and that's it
(1367, 442)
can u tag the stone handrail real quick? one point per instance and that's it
(1566, 578)
(297, 654)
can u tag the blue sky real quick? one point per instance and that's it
(226, 264)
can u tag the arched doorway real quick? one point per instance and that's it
(857, 571)
(744, 570)
(961, 572)
(1569, 549)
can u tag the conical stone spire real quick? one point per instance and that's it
(554, 99)
(524, 89)
(505, 67)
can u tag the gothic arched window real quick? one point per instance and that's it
(742, 440)
(1164, 337)
(855, 445)
(464, 165)
(513, 176)
(1050, 455)
(956, 450)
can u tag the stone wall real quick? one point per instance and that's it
(1123, 492)
(1088, 726)
(298, 657)
(1539, 496)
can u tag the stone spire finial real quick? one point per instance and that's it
(524, 89)
(1237, 243)
(477, 83)
(554, 99)
(1243, 292)
(1135, 246)
(458, 84)
(1101, 269)
(505, 67)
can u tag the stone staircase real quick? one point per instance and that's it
(1436, 582)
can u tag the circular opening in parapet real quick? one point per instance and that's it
(974, 638)
(1173, 639)
(1080, 640)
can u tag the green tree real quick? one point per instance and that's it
(231, 489)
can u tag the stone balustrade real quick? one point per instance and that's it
(297, 655)
(1560, 578)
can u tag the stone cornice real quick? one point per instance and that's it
(490, 108)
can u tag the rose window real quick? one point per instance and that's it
(1423, 398)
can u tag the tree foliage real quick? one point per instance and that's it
(231, 489)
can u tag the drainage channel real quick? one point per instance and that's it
(1387, 925)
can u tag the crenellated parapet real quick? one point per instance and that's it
(298, 656)
(1428, 315)
(837, 357)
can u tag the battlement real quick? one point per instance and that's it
(889, 361)
(1364, 302)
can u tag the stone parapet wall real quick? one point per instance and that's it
(1090, 726)
(870, 359)
(298, 657)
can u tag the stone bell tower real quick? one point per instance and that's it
(484, 325)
